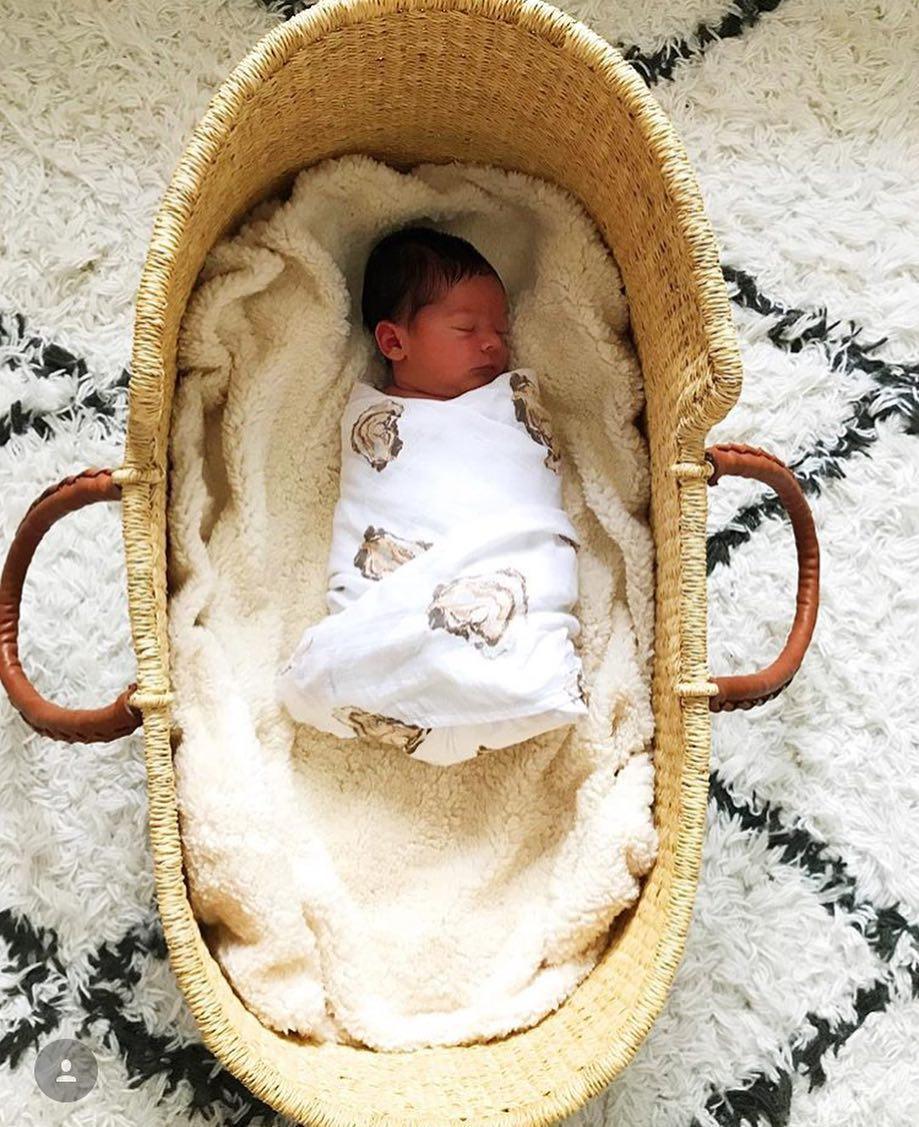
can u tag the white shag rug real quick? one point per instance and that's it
(797, 1001)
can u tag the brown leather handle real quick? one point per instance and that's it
(75, 725)
(738, 460)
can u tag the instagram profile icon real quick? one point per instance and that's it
(66, 1070)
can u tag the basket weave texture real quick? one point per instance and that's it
(520, 85)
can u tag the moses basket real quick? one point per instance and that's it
(519, 85)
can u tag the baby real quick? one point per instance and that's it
(438, 312)
(452, 574)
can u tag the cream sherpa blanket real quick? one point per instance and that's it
(349, 892)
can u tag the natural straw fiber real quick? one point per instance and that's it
(522, 86)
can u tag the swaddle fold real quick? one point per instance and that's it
(452, 578)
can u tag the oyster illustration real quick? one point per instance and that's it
(577, 687)
(384, 729)
(575, 684)
(382, 551)
(479, 606)
(375, 434)
(530, 411)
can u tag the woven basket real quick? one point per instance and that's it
(520, 85)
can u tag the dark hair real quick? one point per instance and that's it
(412, 267)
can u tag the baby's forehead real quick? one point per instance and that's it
(474, 305)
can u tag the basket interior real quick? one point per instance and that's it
(522, 87)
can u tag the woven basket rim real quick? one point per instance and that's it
(282, 43)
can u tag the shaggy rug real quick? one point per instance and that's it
(797, 1000)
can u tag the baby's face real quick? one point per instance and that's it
(457, 343)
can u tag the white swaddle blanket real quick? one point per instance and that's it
(451, 578)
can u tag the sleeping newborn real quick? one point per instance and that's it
(452, 574)
(451, 345)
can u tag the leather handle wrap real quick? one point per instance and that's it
(738, 460)
(74, 725)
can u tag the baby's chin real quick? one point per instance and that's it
(486, 375)
(475, 379)
(467, 381)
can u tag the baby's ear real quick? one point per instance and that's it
(388, 341)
